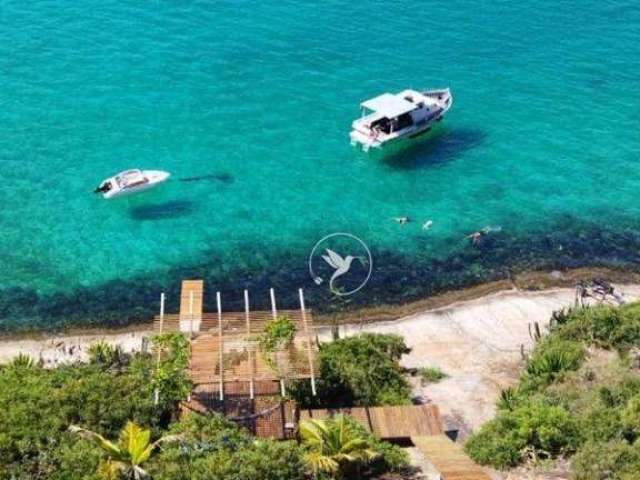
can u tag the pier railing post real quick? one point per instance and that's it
(220, 344)
(274, 313)
(191, 314)
(249, 349)
(156, 393)
(306, 331)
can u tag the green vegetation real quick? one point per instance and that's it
(431, 375)
(38, 405)
(170, 379)
(105, 354)
(278, 333)
(579, 396)
(124, 458)
(359, 370)
(114, 396)
(341, 448)
(332, 446)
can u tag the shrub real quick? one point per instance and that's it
(551, 359)
(214, 448)
(560, 407)
(38, 405)
(21, 362)
(606, 460)
(390, 458)
(107, 355)
(547, 430)
(603, 326)
(431, 375)
(170, 379)
(359, 370)
(498, 443)
(278, 333)
(508, 399)
(631, 416)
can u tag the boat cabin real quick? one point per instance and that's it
(131, 178)
(391, 113)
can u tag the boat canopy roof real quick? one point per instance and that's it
(389, 105)
(130, 177)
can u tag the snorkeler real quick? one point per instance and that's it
(476, 237)
(402, 220)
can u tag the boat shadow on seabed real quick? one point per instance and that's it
(433, 148)
(162, 211)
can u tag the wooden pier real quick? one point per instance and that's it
(230, 371)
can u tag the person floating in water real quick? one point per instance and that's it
(402, 220)
(476, 237)
(427, 225)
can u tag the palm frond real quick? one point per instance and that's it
(108, 446)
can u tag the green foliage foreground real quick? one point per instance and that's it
(578, 397)
(37, 407)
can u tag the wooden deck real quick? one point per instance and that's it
(266, 415)
(449, 458)
(225, 346)
(389, 422)
(230, 372)
(191, 299)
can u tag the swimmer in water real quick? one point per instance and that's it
(427, 225)
(402, 220)
(476, 237)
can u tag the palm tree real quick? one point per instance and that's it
(124, 457)
(333, 444)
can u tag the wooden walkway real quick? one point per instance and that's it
(449, 458)
(191, 297)
(267, 415)
(389, 422)
(230, 371)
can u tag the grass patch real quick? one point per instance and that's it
(431, 375)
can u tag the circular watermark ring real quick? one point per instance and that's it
(340, 265)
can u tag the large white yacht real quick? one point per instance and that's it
(390, 116)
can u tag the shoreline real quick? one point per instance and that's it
(55, 347)
(530, 281)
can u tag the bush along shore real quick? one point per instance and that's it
(578, 398)
(117, 417)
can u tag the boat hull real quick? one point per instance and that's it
(154, 177)
(368, 139)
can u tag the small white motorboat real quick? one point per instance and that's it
(390, 117)
(131, 181)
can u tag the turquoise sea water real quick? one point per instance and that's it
(543, 140)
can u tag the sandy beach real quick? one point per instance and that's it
(56, 349)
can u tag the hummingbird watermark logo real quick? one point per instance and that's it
(344, 260)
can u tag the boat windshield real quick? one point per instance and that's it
(131, 178)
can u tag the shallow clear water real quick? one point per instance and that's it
(543, 140)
